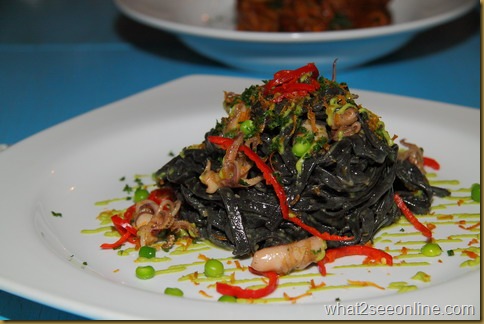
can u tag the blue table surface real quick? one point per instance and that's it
(59, 59)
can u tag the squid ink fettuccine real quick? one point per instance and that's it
(296, 156)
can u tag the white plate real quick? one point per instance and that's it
(70, 166)
(207, 26)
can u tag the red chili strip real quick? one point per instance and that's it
(270, 178)
(280, 77)
(124, 238)
(161, 194)
(411, 217)
(288, 84)
(431, 163)
(124, 224)
(372, 254)
(128, 214)
(295, 89)
(285, 76)
(239, 292)
(128, 233)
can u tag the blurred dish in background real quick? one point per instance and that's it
(209, 28)
(311, 15)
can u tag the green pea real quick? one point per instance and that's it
(147, 252)
(146, 272)
(476, 192)
(140, 194)
(213, 268)
(173, 291)
(227, 299)
(431, 250)
(300, 148)
(247, 127)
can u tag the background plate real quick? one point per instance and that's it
(208, 27)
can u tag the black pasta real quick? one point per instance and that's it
(334, 159)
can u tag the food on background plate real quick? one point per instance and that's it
(296, 173)
(310, 15)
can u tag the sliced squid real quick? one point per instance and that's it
(286, 258)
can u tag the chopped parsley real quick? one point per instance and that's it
(128, 189)
(138, 182)
(56, 214)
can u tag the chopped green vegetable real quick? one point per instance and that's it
(450, 252)
(249, 94)
(422, 276)
(173, 291)
(227, 299)
(471, 263)
(302, 142)
(214, 268)
(300, 148)
(248, 128)
(431, 250)
(146, 272)
(147, 252)
(138, 181)
(476, 192)
(56, 214)
(140, 194)
(408, 288)
(397, 284)
(127, 189)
